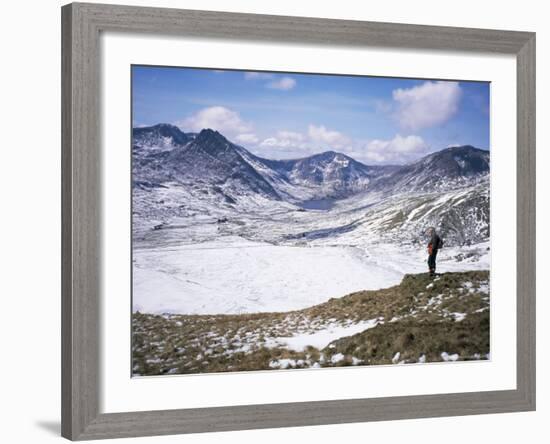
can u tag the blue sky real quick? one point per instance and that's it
(285, 115)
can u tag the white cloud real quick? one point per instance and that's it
(290, 144)
(320, 134)
(291, 136)
(397, 150)
(399, 144)
(287, 144)
(218, 118)
(248, 138)
(427, 105)
(284, 83)
(253, 75)
(270, 142)
(285, 139)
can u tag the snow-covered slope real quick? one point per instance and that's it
(447, 169)
(461, 216)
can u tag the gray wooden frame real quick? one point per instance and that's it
(81, 166)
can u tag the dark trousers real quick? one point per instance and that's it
(431, 261)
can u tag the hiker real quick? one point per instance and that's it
(434, 244)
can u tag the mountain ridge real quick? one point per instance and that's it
(210, 157)
(327, 197)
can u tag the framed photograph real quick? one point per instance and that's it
(278, 221)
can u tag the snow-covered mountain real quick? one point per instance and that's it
(447, 169)
(332, 174)
(461, 215)
(206, 160)
(161, 136)
(214, 159)
(163, 153)
(185, 179)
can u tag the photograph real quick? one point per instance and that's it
(289, 221)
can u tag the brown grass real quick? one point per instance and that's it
(418, 317)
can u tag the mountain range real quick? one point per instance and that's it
(164, 154)
(195, 179)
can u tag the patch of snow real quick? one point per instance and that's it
(321, 338)
(415, 212)
(282, 363)
(447, 357)
(458, 316)
(337, 358)
(484, 288)
(422, 359)
(461, 162)
(468, 286)
(244, 348)
(286, 363)
(435, 300)
(396, 357)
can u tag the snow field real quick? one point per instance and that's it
(233, 275)
(249, 277)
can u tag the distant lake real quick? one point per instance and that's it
(318, 204)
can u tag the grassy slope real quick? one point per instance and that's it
(421, 318)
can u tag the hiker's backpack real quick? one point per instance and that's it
(439, 243)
